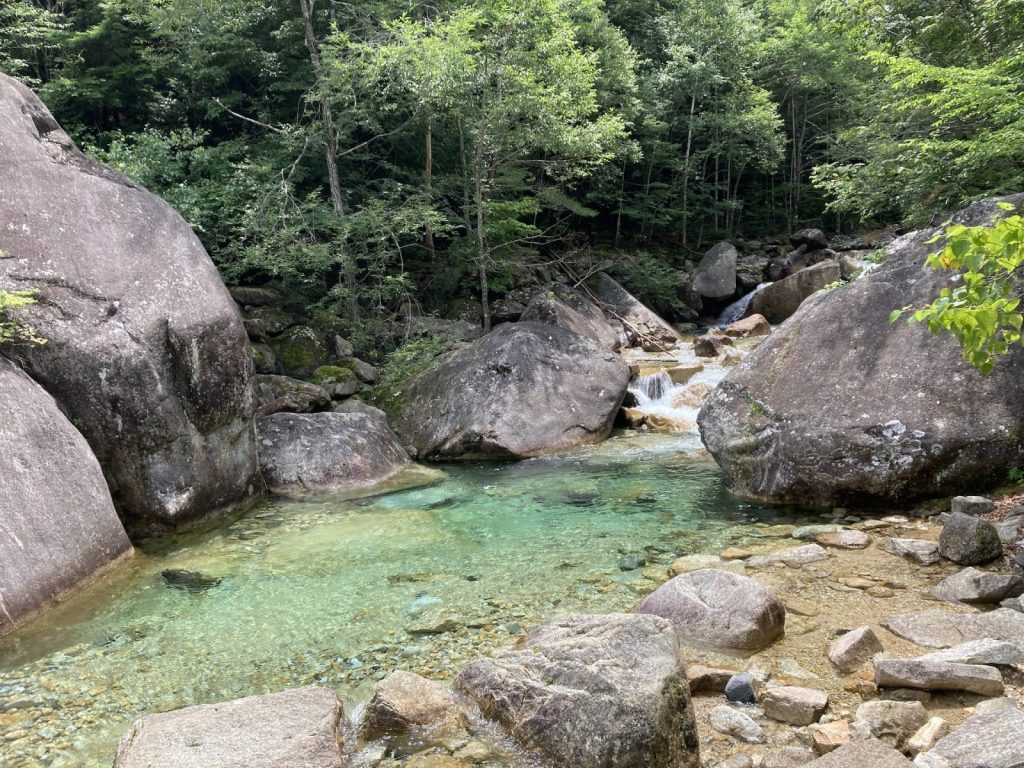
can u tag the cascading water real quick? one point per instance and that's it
(650, 389)
(738, 309)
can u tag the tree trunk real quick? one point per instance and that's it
(428, 181)
(686, 167)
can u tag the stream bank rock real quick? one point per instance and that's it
(523, 390)
(592, 692)
(146, 350)
(303, 452)
(406, 703)
(878, 424)
(300, 728)
(58, 527)
(639, 323)
(719, 609)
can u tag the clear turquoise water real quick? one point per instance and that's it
(326, 591)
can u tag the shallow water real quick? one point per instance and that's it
(333, 592)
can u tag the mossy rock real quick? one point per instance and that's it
(263, 322)
(338, 381)
(328, 323)
(301, 350)
(263, 358)
(333, 374)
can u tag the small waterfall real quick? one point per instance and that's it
(649, 389)
(738, 309)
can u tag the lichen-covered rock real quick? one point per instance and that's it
(719, 609)
(969, 540)
(562, 306)
(58, 527)
(300, 728)
(523, 390)
(146, 351)
(303, 452)
(592, 692)
(876, 424)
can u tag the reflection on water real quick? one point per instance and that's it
(339, 592)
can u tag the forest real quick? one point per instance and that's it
(384, 158)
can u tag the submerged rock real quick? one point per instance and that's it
(301, 452)
(523, 390)
(300, 728)
(146, 350)
(719, 609)
(58, 527)
(592, 692)
(189, 581)
(919, 550)
(877, 425)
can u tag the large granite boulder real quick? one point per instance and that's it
(309, 452)
(146, 350)
(58, 527)
(778, 301)
(523, 390)
(592, 692)
(839, 407)
(639, 323)
(563, 306)
(719, 609)
(715, 277)
(300, 728)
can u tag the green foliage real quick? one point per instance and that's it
(10, 329)
(982, 309)
(652, 279)
(412, 356)
(946, 123)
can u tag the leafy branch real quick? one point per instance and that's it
(983, 311)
